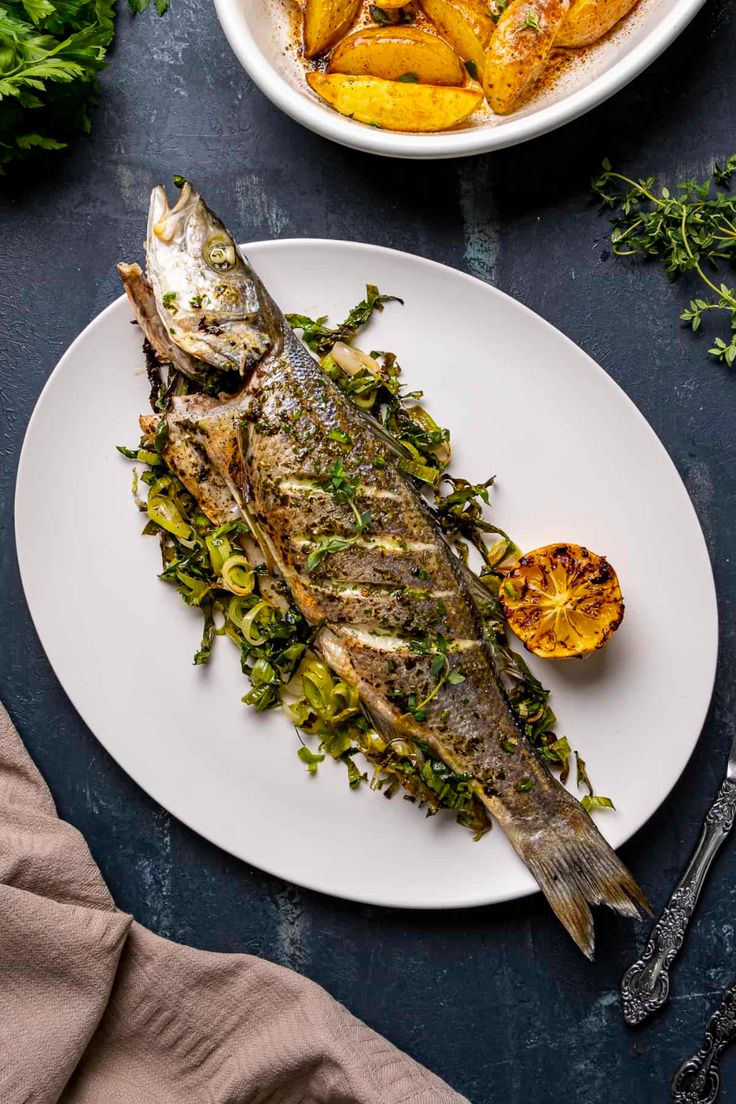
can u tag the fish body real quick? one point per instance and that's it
(368, 565)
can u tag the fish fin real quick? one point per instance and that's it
(477, 589)
(390, 443)
(575, 868)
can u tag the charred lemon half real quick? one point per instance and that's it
(562, 601)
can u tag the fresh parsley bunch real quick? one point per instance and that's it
(50, 54)
(690, 229)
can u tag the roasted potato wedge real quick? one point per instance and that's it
(589, 20)
(393, 52)
(392, 5)
(519, 49)
(325, 21)
(396, 105)
(466, 24)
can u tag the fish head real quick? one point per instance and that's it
(207, 295)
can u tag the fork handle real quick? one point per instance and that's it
(698, 1079)
(645, 986)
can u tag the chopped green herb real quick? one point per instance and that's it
(593, 802)
(395, 15)
(472, 68)
(508, 743)
(311, 758)
(582, 775)
(341, 436)
(530, 22)
(408, 78)
(169, 301)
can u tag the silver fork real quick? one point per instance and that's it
(698, 1080)
(646, 984)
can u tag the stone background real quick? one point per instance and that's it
(496, 1000)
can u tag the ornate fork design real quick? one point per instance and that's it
(645, 985)
(697, 1081)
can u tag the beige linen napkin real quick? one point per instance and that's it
(95, 1009)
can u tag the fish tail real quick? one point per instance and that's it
(575, 867)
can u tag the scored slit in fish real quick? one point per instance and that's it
(269, 448)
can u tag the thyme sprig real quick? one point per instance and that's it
(690, 230)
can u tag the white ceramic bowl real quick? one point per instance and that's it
(260, 32)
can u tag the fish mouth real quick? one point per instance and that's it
(166, 223)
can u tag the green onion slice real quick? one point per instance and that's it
(166, 514)
(249, 624)
(237, 575)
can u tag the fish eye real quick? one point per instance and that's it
(219, 253)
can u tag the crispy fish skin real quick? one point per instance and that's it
(185, 455)
(396, 586)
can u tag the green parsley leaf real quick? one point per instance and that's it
(723, 175)
(408, 78)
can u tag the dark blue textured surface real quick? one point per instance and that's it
(496, 1000)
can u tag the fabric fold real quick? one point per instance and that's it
(95, 1009)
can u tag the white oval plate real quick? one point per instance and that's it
(575, 460)
(261, 35)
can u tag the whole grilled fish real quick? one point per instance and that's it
(370, 567)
